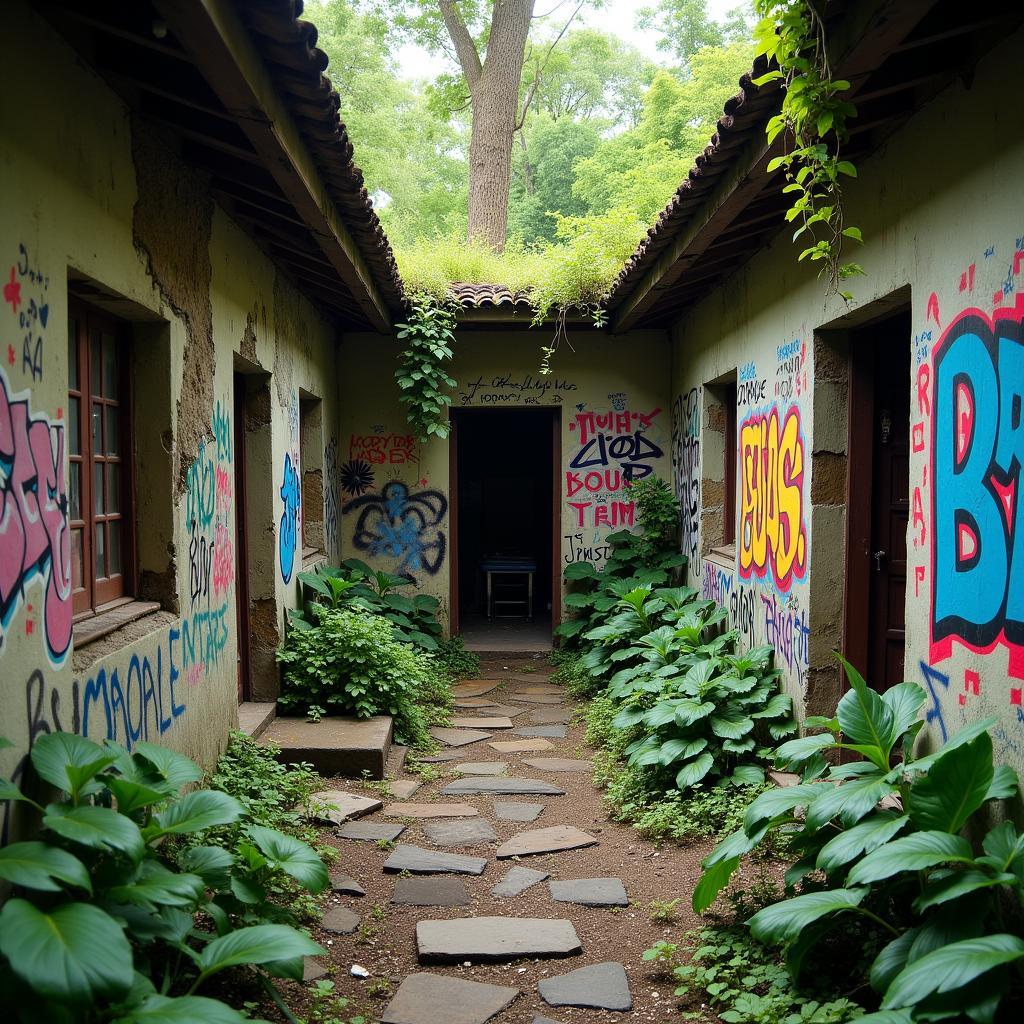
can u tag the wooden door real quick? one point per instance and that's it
(890, 503)
(241, 553)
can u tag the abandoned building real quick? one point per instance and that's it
(197, 393)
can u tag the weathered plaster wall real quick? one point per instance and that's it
(85, 193)
(951, 227)
(613, 397)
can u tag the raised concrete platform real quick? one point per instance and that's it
(254, 717)
(334, 746)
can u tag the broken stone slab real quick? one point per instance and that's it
(532, 678)
(517, 880)
(431, 891)
(340, 921)
(546, 688)
(597, 987)
(420, 997)
(346, 884)
(474, 687)
(406, 857)
(468, 832)
(371, 831)
(502, 711)
(473, 702)
(559, 764)
(335, 806)
(521, 746)
(551, 716)
(482, 768)
(501, 787)
(483, 722)
(312, 970)
(590, 892)
(537, 698)
(552, 732)
(495, 938)
(439, 758)
(402, 789)
(512, 811)
(431, 811)
(545, 840)
(459, 737)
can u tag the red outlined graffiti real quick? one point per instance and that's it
(34, 537)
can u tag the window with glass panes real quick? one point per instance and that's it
(99, 456)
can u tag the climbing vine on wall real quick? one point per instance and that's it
(814, 117)
(425, 386)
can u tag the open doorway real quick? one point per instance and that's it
(878, 499)
(505, 527)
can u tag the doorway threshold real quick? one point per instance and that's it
(506, 635)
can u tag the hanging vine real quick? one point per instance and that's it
(421, 377)
(814, 117)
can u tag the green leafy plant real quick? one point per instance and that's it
(456, 660)
(664, 911)
(814, 118)
(101, 924)
(657, 509)
(355, 663)
(885, 837)
(425, 386)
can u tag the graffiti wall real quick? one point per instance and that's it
(616, 428)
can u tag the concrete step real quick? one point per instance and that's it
(254, 717)
(334, 746)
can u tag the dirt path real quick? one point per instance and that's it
(386, 941)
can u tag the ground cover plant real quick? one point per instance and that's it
(883, 846)
(111, 919)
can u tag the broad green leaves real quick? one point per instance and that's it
(197, 811)
(260, 944)
(68, 761)
(910, 853)
(783, 922)
(97, 827)
(292, 856)
(955, 787)
(39, 866)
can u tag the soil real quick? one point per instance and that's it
(385, 944)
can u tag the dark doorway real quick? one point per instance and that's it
(241, 549)
(878, 499)
(505, 526)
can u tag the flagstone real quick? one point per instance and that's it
(430, 998)
(554, 732)
(559, 764)
(596, 987)
(590, 892)
(371, 831)
(340, 921)
(402, 789)
(495, 939)
(482, 722)
(468, 832)
(337, 806)
(431, 891)
(312, 970)
(440, 757)
(406, 857)
(501, 787)
(545, 840)
(550, 716)
(402, 810)
(473, 702)
(521, 746)
(340, 882)
(459, 737)
(537, 698)
(548, 688)
(482, 768)
(502, 711)
(474, 687)
(517, 880)
(512, 811)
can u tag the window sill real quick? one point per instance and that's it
(725, 556)
(104, 622)
(312, 556)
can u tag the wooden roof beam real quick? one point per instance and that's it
(220, 46)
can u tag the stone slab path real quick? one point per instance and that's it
(333, 806)
(453, 925)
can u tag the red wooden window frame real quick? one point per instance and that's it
(731, 458)
(99, 450)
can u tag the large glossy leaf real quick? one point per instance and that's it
(68, 761)
(731, 724)
(159, 1009)
(854, 842)
(156, 887)
(201, 809)
(292, 856)
(40, 866)
(954, 788)
(1005, 847)
(779, 705)
(965, 735)
(865, 718)
(783, 922)
(133, 796)
(98, 827)
(747, 775)
(581, 571)
(850, 801)
(891, 960)
(694, 771)
(689, 711)
(1004, 783)
(803, 747)
(777, 801)
(74, 954)
(911, 853)
(211, 863)
(714, 879)
(678, 749)
(957, 884)
(951, 967)
(176, 768)
(905, 700)
(260, 944)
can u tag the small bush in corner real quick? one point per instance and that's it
(352, 663)
(453, 657)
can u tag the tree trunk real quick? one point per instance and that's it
(494, 93)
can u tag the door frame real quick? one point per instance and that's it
(554, 413)
(243, 638)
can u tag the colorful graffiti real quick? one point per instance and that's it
(32, 311)
(331, 482)
(786, 629)
(977, 452)
(381, 449)
(288, 531)
(686, 469)
(716, 584)
(403, 526)
(34, 536)
(773, 531)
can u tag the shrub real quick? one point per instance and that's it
(452, 656)
(101, 923)
(885, 846)
(354, 663)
